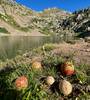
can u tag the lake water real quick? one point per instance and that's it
(10, 46)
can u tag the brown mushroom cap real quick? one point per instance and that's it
(36, 65)
(65, 87)
(50, 80)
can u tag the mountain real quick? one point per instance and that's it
(15, 17)
(79, 22)
(18, 19)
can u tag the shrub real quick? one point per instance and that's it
(3, 30)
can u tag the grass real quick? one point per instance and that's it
(3, 30)
(37, 88)
(46, 31)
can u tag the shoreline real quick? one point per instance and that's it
(27, 34)
(33, 33)
(1, 35)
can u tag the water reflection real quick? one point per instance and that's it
(10, 46)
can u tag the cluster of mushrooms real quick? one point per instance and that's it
(65, 86)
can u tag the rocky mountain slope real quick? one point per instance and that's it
(16, 18)
(79, 22)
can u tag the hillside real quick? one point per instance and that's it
(17, 19)
(15, 16)
(79, 22)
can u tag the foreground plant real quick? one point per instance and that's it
(51, 75)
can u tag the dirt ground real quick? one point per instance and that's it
(80, 52)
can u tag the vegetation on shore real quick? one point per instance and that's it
(3, 30)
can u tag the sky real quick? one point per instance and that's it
(68, 5)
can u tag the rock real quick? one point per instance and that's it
(87, 39)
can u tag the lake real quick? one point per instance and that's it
(10, 46)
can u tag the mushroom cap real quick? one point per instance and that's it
(50, 80)
(67, 68)
(36, 65)
(65, 87)
(21, 82)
